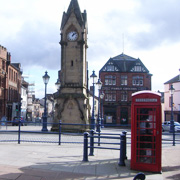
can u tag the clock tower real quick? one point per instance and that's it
(72, 102)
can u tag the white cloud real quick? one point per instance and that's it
(30, 30)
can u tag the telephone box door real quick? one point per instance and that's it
(146, 132)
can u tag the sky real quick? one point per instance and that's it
(145, 29)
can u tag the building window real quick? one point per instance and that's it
(16, 77)
(137, 81)
(124, 96)
(137, 68)
(110, 80)
(3, 65)
(124, 80)
(110, 96)
(72, 63)
(170, 101)
(110, 68)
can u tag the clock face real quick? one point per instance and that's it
(72, 36)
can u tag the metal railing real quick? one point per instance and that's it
(171, 138)
(18, 134)
(91, 145)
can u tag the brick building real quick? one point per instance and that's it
(3, 80)
(10, 85)
(121, 76)
(14, 89)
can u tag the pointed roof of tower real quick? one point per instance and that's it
(74, 7)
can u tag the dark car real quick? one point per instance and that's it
(16, 121)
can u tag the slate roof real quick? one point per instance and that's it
(125, 63)
(173, 80)
(74, 7)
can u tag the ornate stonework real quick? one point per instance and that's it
(72, 102)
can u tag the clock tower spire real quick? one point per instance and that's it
(72, 101)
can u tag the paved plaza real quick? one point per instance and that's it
(48, 161)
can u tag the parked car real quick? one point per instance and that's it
(166, 126)
(16, 121)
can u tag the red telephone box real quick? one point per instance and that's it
(146, 131)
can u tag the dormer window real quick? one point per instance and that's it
(137, 69)
(110, 68)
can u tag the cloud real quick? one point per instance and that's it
(36, 44)
(163, 17)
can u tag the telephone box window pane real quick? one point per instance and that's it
(146, 126)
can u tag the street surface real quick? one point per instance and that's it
(49, 161)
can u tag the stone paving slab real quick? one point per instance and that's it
(52, 162)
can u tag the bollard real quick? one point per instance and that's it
(91, 143)
(85, 153)
(125, 152)
(59, 132)
(122, 149)
(99, 133)
(99, 138)
(19, 132)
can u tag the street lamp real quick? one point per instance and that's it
(93, 77)
(172, 118)
(99, 84)
(102, 118)
(46, 80)
(58, 84)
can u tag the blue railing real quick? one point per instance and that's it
(18, 134)
(91, 145)
(171, 138)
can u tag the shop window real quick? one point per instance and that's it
(124, 96)
(110, 97)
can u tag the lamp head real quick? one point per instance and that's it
(102, 95)
(58, 84)
(46, 78)
(93, 76)
(99, 84)
(171, 89)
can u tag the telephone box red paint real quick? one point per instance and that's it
(146, 131)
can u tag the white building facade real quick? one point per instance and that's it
(176, 99)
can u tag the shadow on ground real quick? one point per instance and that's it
(102, 169)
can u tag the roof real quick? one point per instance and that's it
(125, 63)
(146, 92)
(74, 7)
(173, 80)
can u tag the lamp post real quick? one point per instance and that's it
(98, 128)
(102, 118)
(46, 80)
(93, 77)
(172, 118)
